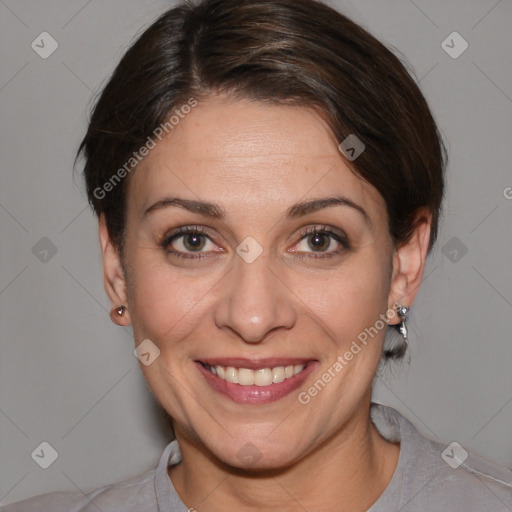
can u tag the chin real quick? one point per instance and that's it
(256, 453)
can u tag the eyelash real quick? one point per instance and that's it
(196, 230)
(187, 230)
(324, 230)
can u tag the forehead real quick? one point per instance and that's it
(248, 154)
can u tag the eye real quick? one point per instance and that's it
(186, 241)
(194, 242)
(321, 242)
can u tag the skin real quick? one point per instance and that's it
(256, 161)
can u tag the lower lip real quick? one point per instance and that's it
(256, 395)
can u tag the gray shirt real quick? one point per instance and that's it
(430, 477)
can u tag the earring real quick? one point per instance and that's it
(402, 312)
(117, 313)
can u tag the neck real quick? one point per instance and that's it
(348, 471)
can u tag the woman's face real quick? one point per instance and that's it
(252, 285)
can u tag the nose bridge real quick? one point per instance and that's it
(255, 301)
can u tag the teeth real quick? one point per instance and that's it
(278, 374)
(297, 369)
(263, 377)
(231, 374)
(245, 377)
(260, 377)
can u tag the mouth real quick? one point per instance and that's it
(255, 382)
(258, 377)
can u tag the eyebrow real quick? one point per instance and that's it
(216, 211)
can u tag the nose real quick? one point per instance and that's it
(254, 301)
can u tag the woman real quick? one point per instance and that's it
(268, 181)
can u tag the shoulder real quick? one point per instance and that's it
(467, 478)
(130, 495)
(432, 475)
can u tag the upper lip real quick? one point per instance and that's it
(254, 364)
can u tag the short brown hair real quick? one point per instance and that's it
(298, 52)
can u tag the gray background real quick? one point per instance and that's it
(69, 376)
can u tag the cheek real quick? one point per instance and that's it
(165, 303)
(168, 303)
(351, 299)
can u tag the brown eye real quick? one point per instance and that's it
(193, 241)
(320, 242)
(184, 242)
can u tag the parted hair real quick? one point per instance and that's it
(293, 52)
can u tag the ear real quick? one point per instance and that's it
(113, 274)
(409, 263)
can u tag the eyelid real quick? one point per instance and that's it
(184, 230)
(334, 233)
(326, 230)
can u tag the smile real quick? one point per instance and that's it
(258, 377)
(263, 382)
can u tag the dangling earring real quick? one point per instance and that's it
(402, 326)
(402, 312)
